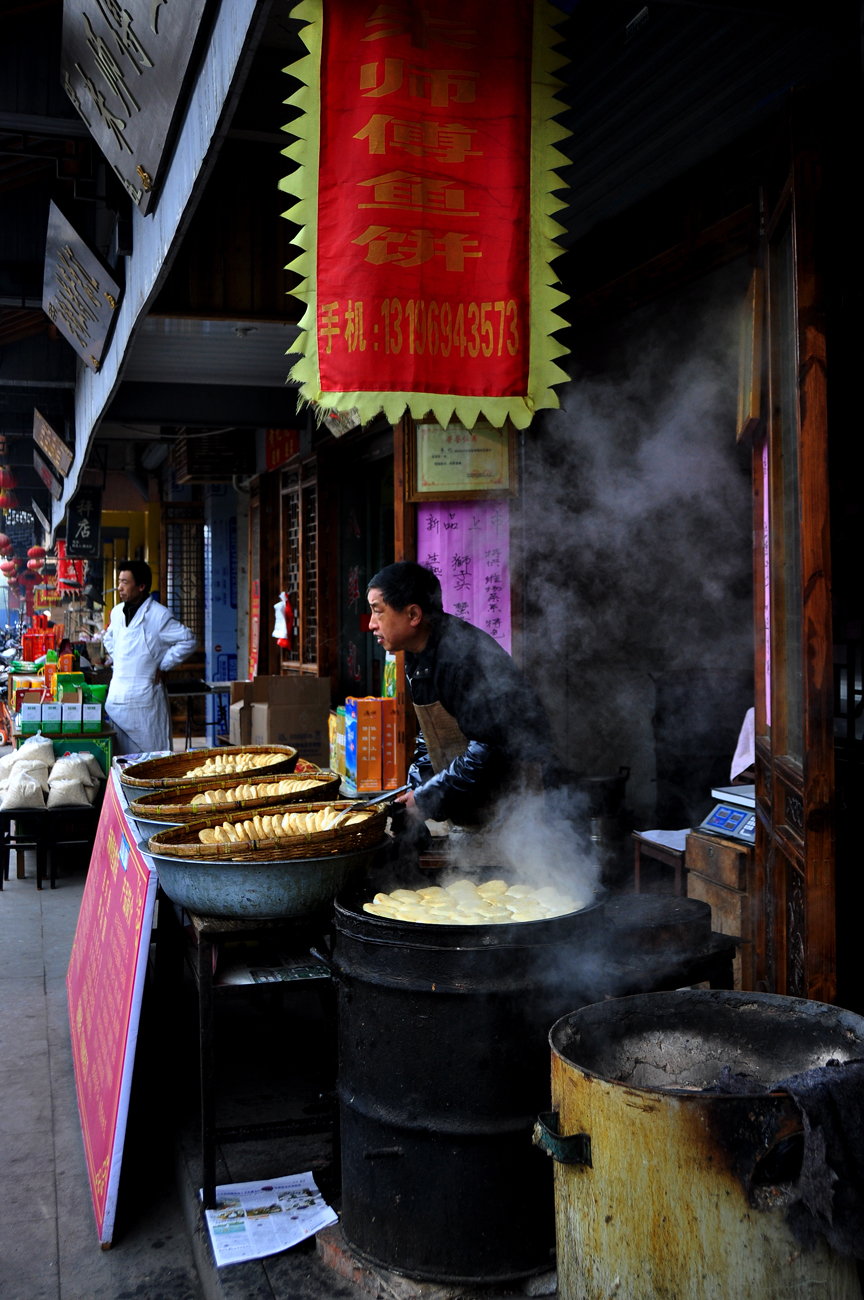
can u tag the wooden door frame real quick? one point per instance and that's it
(795, 851)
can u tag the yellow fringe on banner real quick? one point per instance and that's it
(544, 294)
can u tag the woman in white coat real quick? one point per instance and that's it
(144, 640)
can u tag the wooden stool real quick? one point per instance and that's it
(669, 851)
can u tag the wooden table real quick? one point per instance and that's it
(203, 941)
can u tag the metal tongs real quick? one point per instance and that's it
(389, 796)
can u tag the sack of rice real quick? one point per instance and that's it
(73, 767)
(64, 794)
(32, 767)
(23, 791)
(39, 747)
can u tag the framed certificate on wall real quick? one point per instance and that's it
(447, 462)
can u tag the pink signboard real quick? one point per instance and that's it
(468, 547)
(104, 985)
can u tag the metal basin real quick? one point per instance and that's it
(667, 1184)
(267, 890)
(148, 828)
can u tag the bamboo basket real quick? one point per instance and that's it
(183, 841)
(175, 805)
(171, 769)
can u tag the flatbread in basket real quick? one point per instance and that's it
(227, 794)
(306, 830)
(197, 764)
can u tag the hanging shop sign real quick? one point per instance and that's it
(83, 524)
(70, 573)
(280, 446)
(54, 486)
(124, 67)
(51, 445)
(43, 519)
(78, 294)
(426, 152)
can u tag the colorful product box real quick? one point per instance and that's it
(70, 709)
(31, 712)
(52, 717)
(23, 684)
(363, 742)
(91, 716)
(389, 774)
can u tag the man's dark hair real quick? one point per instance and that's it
(408, 583)
(141, 572)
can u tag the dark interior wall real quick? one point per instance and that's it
(637, 537)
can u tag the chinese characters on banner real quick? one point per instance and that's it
(468, 547)
(70, 573)
(427, 283)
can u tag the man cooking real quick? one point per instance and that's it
(484, 733)
(144, 640)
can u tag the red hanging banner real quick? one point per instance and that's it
(427, 216)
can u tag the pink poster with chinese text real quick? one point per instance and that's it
(468, 547)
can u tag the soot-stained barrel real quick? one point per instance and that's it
(443, 1065)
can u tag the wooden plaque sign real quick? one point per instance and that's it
(51, 445)
(124, 68)
(83, 524)
(78, 294)
(54, 486)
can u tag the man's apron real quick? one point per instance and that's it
(444, 742)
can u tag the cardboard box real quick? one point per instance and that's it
(51, 717)
(389, 774)
(240, 713)
(21, 684)
(70, 709)
(31, 712)
(91, 716)
(289, 710)
(363, 742)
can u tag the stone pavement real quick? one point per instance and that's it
(49, 1247)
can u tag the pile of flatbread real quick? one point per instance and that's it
(463, 902)
(272, 826)
(243, 793)
(225, 764)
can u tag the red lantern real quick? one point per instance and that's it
(35, 565)
(36, 553)
(7, 478)
(5, 542)
(8, 567)
(8, 500)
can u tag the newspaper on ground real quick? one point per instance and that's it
(255, 1219)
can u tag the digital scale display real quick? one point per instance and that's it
(735, 814)
(735, 823)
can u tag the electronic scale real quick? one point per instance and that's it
(734, 816)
